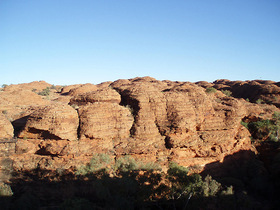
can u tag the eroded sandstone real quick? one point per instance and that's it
(150, 120)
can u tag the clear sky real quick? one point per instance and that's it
(92, 41)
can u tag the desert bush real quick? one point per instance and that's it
(266, 129)
(126, 164)
(150, 166)
(176, 171)
(227, 92)
(5, 190)
(245, 124)
(210, 187)
(211, 90)
(228, 191)
(182, 185)
(45, 92)
(259, 101)
(97, 163)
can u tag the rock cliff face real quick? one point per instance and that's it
(151, 120)
(52, 122)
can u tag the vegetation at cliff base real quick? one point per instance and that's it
(265, 129)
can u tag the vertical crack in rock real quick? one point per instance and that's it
(133, 106)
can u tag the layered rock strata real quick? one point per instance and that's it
(150, 120)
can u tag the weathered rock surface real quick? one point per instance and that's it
(6, 128)
(148, 119)
(105, 121)
(32, 86)
(101, 95)
(262, 90)
(79, 89)
(52, 122)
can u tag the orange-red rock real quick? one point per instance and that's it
(148, 119)
(6, 128)
(101, 95)
(55, 121)
(102, 120)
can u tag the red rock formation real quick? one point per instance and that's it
(6, 128)
(267, 91)
(105, 121)
(52, 122)
(32, 86)
(79, 89)
(148, 119)
(101, 95)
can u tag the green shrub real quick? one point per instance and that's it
(176, 171)
(97, 163)
(266, 129)
(227, 92)
(151, 166)
(259, 101)
(210, 187)
(5, 190)
(126, 164)
(245, 124)
(228, 191)
(45, 92)
(211, 90)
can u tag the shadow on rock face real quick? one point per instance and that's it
(19, 124)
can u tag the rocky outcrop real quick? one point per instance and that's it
(52, 122)
(32, 86)
(101, 95)
(184, 118)
(105, 121)
(148, 119)
(78, 89)
(261, 91)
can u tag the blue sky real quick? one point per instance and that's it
(70, 41)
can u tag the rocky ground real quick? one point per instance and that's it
(197, 125)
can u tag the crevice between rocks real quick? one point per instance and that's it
(45, 134)
(130, 103)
